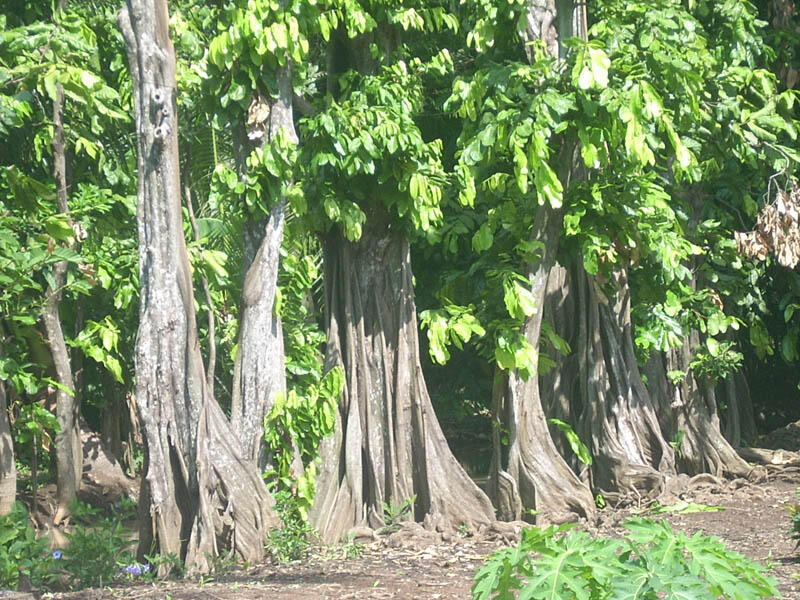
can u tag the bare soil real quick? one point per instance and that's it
(416, 564)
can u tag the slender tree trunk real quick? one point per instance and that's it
(259, 372)
(8, 471)
(387, 446)
(68, 442)
(529, 472)
(200, 495)
(212, 340)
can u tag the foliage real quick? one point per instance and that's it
(291, 541)
(23, 556)
(395, 514)
(682, 508)
(794, 513)
(578, 447)
(651, 561)
(99, 547)
(350, 548)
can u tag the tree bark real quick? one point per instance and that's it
(617, 418)
(387, 446)
(529, 472)
(67, 439)
(8, 471)
(541, 478)
(688, 415)
(200, 495)
(259, 372)
(740, 424)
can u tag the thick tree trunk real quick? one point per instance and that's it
(529, 472)
(740, 424)
(688, 415)
(67, 439)
(688, 408)
(387, 446)
(259, 373)
(618, 420)
(202, 495)
(8, 471)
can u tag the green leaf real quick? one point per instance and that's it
(578, 447)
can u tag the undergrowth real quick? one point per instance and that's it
(650, 562)
(100, 550)
(292, 540)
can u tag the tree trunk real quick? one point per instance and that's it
(740, 424)
(67, 439)
(8, 471)
(202, 495)
(618, 420)
(529, 472)
(259, 373)
(387, 446)
(689, 416)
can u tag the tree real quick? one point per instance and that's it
(379, 182)
(69, 463)
(203, 496)
(8, 471)
(527, 470)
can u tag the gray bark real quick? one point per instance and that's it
(200, 495)
(8, 471)
(688, 409)
(688, 412)
(259, 373)
(740, 424)
(542, 478)
(67, 439)
(618, 420)
(529, 472)
(387, 446)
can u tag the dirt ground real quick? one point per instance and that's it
(418, 565)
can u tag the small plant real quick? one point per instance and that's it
(578, 447)
(22, 555)
(351, 548)
(291, 541)
(677, 442)
(99, 547)
(651, 562)
(394, 514)
(161, 565)
(794, 513)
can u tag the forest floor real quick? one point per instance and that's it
(416, 564)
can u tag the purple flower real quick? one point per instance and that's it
(135, 569)
(146, 568)
(57, 555)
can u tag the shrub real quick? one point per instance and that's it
(99, 547)
(651, 562)
(22, 555)
(291, 541)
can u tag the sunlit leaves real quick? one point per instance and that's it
(451, 325)
(370, 137)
